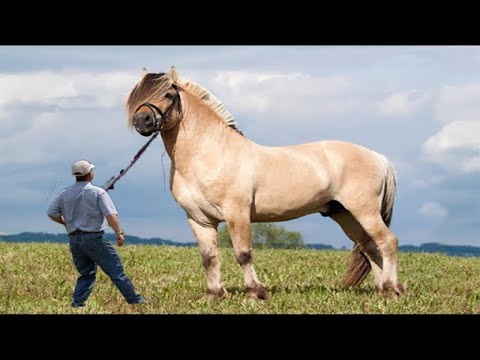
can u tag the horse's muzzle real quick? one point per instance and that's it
(145, 124)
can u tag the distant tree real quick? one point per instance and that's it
(266, 235)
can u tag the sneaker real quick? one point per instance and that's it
(74, 304)
(145, 302)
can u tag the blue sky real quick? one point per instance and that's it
(420, 106)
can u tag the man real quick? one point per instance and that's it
(82, 208)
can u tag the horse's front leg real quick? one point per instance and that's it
(240, 231)
(206, 237)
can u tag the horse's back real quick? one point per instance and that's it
(321, 157)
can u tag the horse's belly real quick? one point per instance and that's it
(286, 205)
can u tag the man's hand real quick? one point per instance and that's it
(120, 239)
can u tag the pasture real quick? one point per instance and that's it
(38, 278)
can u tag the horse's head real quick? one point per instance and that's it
(154, 103)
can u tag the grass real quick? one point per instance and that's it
(39, 278)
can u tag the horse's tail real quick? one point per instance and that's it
(389, 191)
(360, 265)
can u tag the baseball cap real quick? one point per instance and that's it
(81, 168)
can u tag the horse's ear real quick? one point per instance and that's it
(144, 72)
(173, 74)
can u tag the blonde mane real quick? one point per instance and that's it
(208, 99)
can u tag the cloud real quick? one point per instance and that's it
(456, 146)
(285, 93)
(47, 116)
(51, 137)
(455, 135)
(433, 209)
(66, 89)
(432, 180)
(402, 103)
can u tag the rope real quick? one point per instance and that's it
(111, 182)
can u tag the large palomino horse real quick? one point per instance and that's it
(217, 175)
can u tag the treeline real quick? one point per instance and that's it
(63, 238)
(452, 250)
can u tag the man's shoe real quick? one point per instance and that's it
(74, 304)
(144, 302)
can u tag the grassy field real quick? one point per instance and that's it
(39, 279)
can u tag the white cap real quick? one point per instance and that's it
(81, 168)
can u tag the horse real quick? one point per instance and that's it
(218, 175)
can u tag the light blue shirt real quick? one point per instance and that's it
(84, 207)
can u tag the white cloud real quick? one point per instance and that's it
(455, 135)
(66, 89)
(471, 165)
(53, 136)
(433, 209)
(289, 93)
(456, 146)
(402, 103)
(89, 106)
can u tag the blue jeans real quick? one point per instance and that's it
(90, 250)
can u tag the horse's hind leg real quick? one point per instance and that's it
(207, 242)
(387, 243)
(240, 232)
(365, 255)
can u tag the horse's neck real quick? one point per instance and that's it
(198, 134)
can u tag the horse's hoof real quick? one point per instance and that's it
(215, 294)
(257, 293)
(399, 289)
(384, 289)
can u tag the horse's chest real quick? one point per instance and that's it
(195, 201)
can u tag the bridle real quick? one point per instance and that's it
(160, 118)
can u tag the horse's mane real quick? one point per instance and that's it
(209, 99)
(153, 87)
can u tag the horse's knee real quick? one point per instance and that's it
(244, 257)
(209, 260)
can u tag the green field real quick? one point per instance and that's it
(39, 279)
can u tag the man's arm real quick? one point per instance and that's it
(58, 219)
(114, 223)
(54, 211)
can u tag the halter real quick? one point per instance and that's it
(160, 117)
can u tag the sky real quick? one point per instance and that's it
(417, 105)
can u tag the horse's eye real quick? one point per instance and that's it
(169, 96)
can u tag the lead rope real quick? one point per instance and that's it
(111, 182)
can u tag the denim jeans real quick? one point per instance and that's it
(90, 250)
